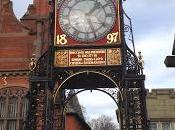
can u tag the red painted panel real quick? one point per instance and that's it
(103, 41)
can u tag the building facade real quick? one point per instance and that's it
(19, 40)
(161, 109)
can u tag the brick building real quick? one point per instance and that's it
(18, 41)
(161, 109)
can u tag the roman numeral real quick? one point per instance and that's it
(67, 26)
(106, 25)
(75, 33)
(104, 6)
(109, 15)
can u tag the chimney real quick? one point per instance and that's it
(42, 7)
(42, 13)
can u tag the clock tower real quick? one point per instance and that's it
(87, 51)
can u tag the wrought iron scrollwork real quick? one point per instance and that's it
(132, 63)
(62, 75)
(112, 74)
(41, 68)
(128, 31)
(115, 75)
(114, 93)
(134, 103)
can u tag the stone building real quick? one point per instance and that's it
(161, 109)
(19, 40)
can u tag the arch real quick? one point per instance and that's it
(97, 89)
(102, 76)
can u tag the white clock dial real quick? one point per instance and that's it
(87, 20)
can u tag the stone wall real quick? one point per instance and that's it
(161, 107)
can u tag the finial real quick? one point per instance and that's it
(140, 60)
(32, 64)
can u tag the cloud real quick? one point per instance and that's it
(155, 47)
(149, 16)
(153, 25)
(97, 103)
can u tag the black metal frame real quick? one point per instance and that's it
(129, 77)
(66, 96)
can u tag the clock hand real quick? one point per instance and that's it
(96, 22)
(75, 20)
(78, 10)
(99, 21)
(91, 26)
(97, 5)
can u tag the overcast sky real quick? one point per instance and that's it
(154, 27)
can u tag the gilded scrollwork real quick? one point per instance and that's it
(61, 58)
(114, 56)
(32, 64)
(112, 92)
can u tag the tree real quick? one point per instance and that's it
(103, 123)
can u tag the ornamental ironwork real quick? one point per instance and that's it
(72, 64)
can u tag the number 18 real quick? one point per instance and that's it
(61, 39)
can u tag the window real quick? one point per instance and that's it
(2, 108)
(153, 126)
(24, 107)
(13, 107)
(2, 112)
(1, 125)
(166, 126)
(11, 125)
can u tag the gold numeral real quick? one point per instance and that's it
(4, 80)
(61, 39)
(112, 38)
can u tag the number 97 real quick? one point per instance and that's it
(112, 38)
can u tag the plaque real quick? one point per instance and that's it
(87, 57)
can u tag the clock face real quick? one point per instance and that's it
(87, 20)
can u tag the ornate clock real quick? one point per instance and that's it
(89, 24)
(87, 20)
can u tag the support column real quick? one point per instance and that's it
(135, 117)
(58, 113)
(40, 107)
(39, 37)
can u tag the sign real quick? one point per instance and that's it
(87, 57)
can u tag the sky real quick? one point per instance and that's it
(154, 28)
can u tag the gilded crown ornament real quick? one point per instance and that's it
(32, 64)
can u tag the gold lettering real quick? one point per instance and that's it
(112, 38)
(61, 39)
